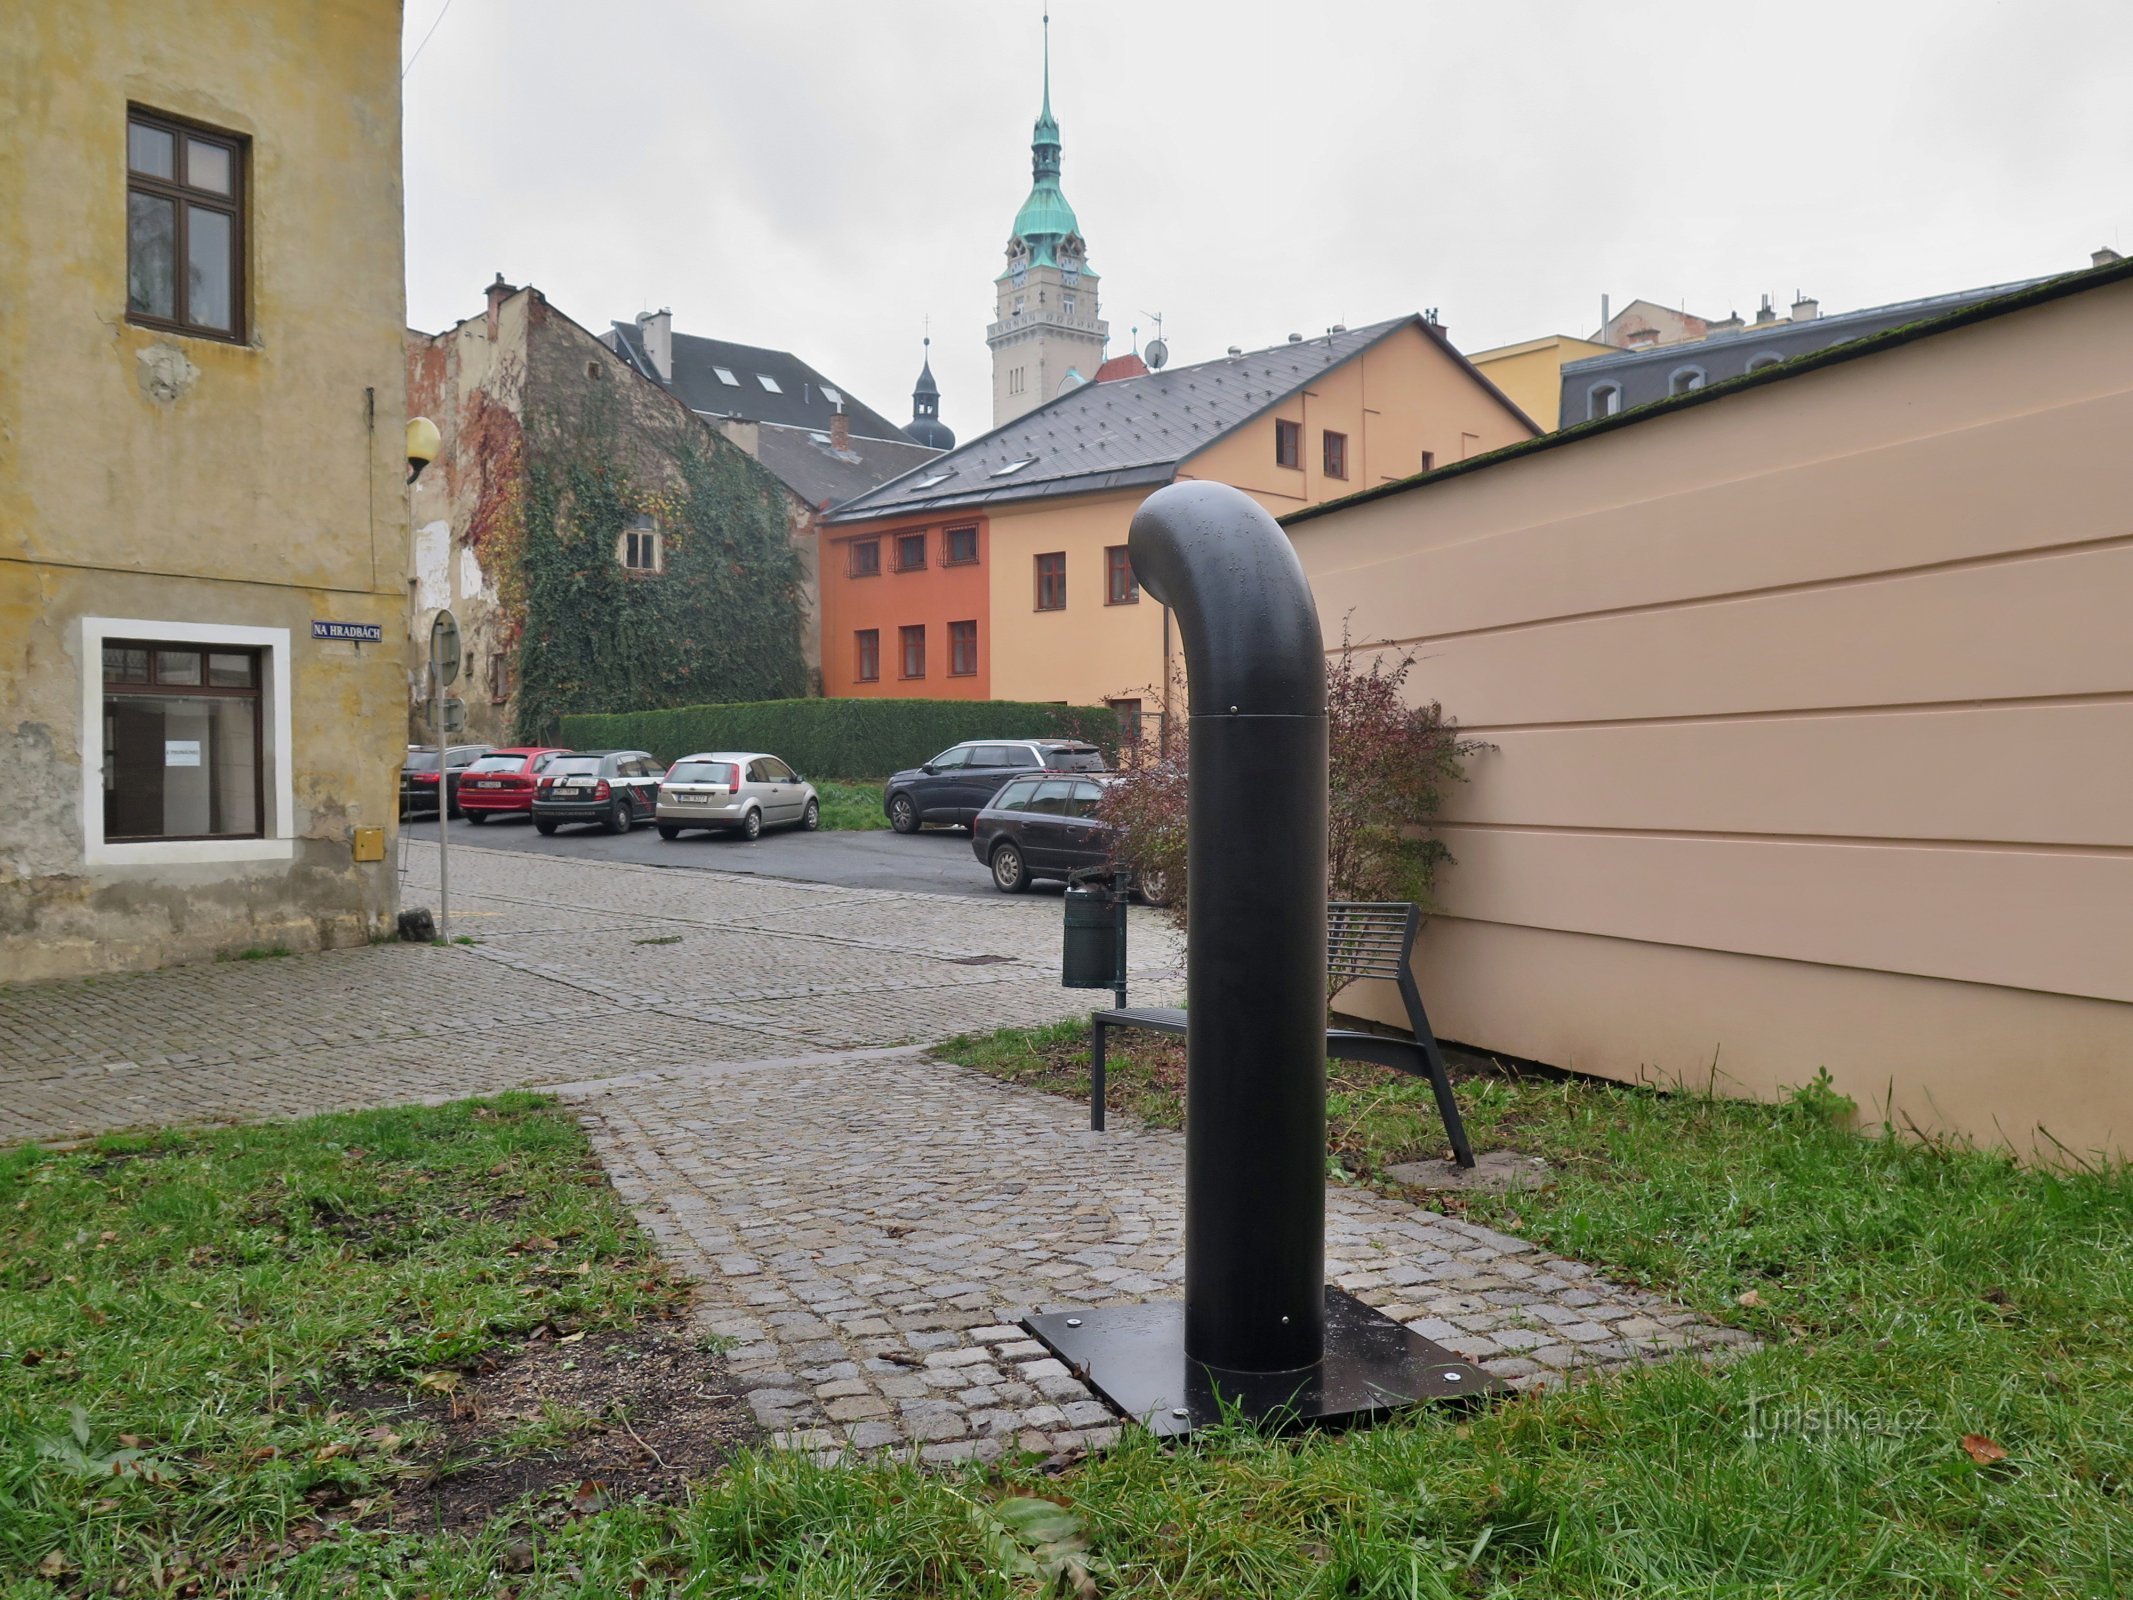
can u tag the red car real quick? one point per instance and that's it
(501, 782)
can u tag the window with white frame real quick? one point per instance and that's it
(640, 543)
(185, 742)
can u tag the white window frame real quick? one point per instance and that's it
(277, 827)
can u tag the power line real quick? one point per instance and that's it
(411, 60)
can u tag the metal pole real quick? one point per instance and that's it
(1121, 887)
(444, 798)
(1255, 1142)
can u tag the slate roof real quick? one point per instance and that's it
(2023, 296)
(797, 402)
(804, 462)
(1127, 432)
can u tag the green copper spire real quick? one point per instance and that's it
(1045, 218)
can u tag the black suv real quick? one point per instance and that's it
(955, 785)
(418, 776)
(614, 788)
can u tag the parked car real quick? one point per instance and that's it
(615, 788)
(1046, 827)
(735, 791)
(418, 776)
(501, 783)
(955, 785)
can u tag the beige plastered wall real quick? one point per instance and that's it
(154, 476)
(1402, 396)
(1811, 714)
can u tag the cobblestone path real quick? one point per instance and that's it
(867, 1232)
(867, 1223)
(585, 970)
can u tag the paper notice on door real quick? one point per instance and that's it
(181, 752)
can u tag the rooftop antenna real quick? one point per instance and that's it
(1158, 351)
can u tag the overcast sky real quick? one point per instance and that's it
(824, 175)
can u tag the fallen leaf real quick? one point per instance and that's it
(52, 1565)
(442, 1382)
(1982, 1450)
(382, 1436)
(108, 1236)
(32, 1358)
(588, 1497)
(571, 1338)
(96, 1318)
(132, 1441)
(537, 1241)
(903, 1358)
(1751, 1299)
(328, 1452)
(517, 1556)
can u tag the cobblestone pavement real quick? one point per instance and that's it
(585, 970)
(868, 1231)
(867, 1223)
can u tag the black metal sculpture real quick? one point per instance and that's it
(1259, 1328)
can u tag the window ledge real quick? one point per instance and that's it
(180, 330)
(183, 852)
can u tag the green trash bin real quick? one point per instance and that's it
(1090, 957)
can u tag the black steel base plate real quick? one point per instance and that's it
(1134, 1357)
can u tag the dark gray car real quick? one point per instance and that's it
(956, 784)
(615, 788)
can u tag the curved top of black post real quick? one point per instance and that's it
(1252, 643)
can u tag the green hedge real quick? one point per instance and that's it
(838, 738)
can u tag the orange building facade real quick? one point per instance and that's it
(905, 609)
(999, 570)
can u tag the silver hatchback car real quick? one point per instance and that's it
(735, 791)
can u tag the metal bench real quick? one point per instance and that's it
(1363, 940)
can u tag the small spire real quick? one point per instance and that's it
(1047, 69)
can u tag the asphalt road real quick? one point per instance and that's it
(937, 861)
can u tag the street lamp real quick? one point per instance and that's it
(424, 443)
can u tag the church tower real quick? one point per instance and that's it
(1046, 336)
(925, 426)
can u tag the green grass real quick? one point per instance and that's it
(1910, 1295)
(198, 1299)
(851, 807)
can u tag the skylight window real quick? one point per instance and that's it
(768, 382)
(1013, 466)
(937, 478)
(832, 396)
(725, 375)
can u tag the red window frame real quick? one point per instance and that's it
(952, 542)
(1121, 586)
(1051, 581)
(867, 565)
(1288, 443)
(866, 643)
(1336, 454)
(962, 649)
(911, 649)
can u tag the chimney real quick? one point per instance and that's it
(1605, 319)
(2104, 257)
(656, 328)
(1764, 315)
(840, 430)
(1804, 307)
(498, 293)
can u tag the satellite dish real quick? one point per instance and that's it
(1156, 354)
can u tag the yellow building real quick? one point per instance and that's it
(1531, 373)
(1041, 507)
(201, 461)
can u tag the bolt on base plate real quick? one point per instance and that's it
(1134, 1358)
